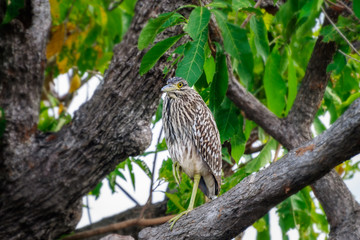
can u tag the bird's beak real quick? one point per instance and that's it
(169, 88)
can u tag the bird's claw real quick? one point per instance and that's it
(176, 172)
(177, 217)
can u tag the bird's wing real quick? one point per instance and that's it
(207, 139)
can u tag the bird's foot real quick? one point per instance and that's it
(177, 217)
(177, 172)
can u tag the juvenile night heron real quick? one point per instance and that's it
(192, 138)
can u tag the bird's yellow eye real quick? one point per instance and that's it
(180, 85)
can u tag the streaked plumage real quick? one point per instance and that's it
(192, 136)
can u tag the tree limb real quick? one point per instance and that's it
(118, 226)
(241, 206)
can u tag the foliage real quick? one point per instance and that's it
(82, 38)
(269, 56)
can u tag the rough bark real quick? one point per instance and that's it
(44, 176)
(255, 195)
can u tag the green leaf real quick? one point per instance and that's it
(12, 10)
(297, 212)
(118, 173)
(174, 19)
(209, 68)
(346, 103)
(112, 181)
(131, 172)
(237, 45)
(154, 54)
(239, 4)
(198, 21)
(96, 191)
(257, 25)
(275, 88)
(356, 8)
(262, 159)
(292, 85)
(191, 66)
(218, 4)
(220, 83)
(338, 63)
(263, 228)
(152, 28)
(2, 122)
(238, 142)
(143, 166)
(176, 200)
(226, 119)
(260, 225)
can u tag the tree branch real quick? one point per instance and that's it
(155, 210)
(249, 200)
(118, 226)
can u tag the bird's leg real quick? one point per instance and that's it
(192, 201)
(176, 172)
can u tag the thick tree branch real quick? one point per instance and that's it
(61, 167)
(250, 199)
(22, 63)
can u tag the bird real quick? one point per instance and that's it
(193, 140)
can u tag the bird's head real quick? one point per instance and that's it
(175, 86)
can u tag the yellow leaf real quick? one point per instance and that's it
(54, 9)
(61, 108)
(103, 16)
(62, 65)
(268, 18)
(340, 169)
(56, 41)
(75, 83)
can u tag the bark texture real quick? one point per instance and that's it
(44, 176)
(255, 195)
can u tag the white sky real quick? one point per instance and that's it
(109, 204)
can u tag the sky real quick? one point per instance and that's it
(109, 203)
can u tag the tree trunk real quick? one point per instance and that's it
(44, 176)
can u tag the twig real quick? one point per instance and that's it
(88, 208)
(153, 168)
(148, 202)
(251, 14)
(277, 152)
(338, 30)
(347, 8)
(118, 226)
(127, 194)
(346, 55)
